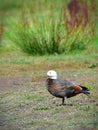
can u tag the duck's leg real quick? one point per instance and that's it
(63, 101)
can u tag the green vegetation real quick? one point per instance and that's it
(49, 28)
(48, 37)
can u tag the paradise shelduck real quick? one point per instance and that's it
(63, 88)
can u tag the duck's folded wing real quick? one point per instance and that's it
(76, 87)
(72, 85)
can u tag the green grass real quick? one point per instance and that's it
(15, 63)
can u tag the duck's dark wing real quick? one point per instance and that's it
(72, 89)
(71, 85)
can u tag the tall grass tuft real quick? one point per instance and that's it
(43, 37)
(53, 32)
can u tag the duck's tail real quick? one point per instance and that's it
(85, 90)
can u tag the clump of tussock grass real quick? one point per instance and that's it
(43, 37)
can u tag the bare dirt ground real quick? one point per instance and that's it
(9, 83)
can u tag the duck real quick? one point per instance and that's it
(63, 88)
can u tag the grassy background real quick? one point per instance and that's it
(24, 100)
(44, 27)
